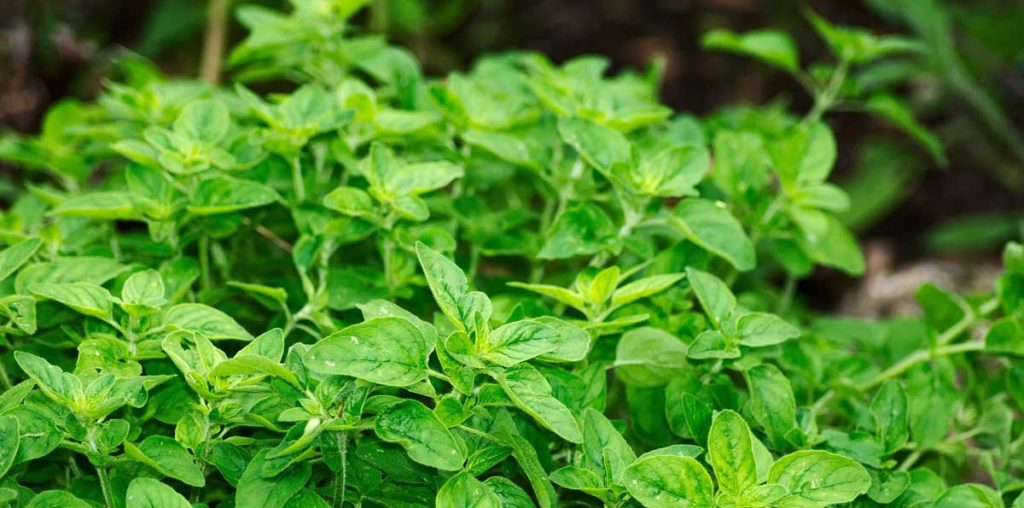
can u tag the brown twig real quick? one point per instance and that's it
(213, 45)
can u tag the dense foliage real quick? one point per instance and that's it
(524, 285)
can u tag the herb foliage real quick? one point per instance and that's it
(523, 285)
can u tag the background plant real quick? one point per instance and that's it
(523, 284)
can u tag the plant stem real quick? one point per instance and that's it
(108, 496)
(5, 379)
(341, 479)
(204, 262)
(970, 319)
(213, 45)
(826, 98)
(297, 182)
(910, 460)
(920, 356)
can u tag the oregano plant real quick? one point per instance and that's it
(526, 284)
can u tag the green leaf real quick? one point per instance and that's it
(168, 457)
(714, 229)
(858, 46)
(422, 177)
(731, 454)
(447, 283)
(601, 286)
(95, 270)
(465, 491)
(1005, 336)
(389, 350)
(605, 450)
(583, 229)
(837, 248)
(649, 357)
(270, 345)
(510, 494)
(642, 288)
(53, 381)
(759, 329)
(272, 492)
(772, 403)
(225, 195)
(10, 438)
(104, 205)
(601, 147)
(249, 365)
(427, 441)
(143, 293)
(577, 478)
(16, 255)
(518, 342)
(196, 317)
(898, 113)
(57, 499)
(83, 297)
(532, 393)
(563, 295)
(770, 46)
(969, 495)
(571, 343)
(205, 121)
(713, 294)
(816, 478)
(668, 481)
(350, 201)
(889, 411)
(673, 172)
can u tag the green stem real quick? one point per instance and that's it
(341, 479)
(824, 100)
(108, 496)
(5, 379)
(204, 262)
(921, 356)
(943, 349)
(297, 182)
(787, 295)
(910, 460)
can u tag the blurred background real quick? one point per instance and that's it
(917, 220)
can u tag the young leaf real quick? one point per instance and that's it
(770, 46)
(150, 493)
(143, 293)
(447, 283)
(518, 342)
